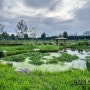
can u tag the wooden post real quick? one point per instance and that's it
(65, 42)
(56, 42)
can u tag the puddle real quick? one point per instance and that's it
(78, 64)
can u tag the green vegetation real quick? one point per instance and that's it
(37, 80)
(79, 45)
(49, 48)
(64, 57)
(1, 54)
(52, 61)
(16, 58)
(36, 57)
(87, 58)
(67, 57)
(14, 50)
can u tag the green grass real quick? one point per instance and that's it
(37, 80)
(79, 45)
(13, 50)
(16, 58)
(67, 57)
(35, 57)
(49, 48)
(64, 57)
(87, 58)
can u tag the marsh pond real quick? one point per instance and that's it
(53, 61)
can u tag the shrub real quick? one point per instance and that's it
(67, 57)
(16, 58)
(88, 64)
(87, 58)
(49, 48)
(1, 53)
(36, 62)
(52, 61)
(64, 57)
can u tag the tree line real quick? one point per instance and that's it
(23, 32)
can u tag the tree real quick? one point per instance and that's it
(26, 36)
(65, 34)
(21, 28)
(2, 28)
(43, 36)
(5, 35)
(12, 37)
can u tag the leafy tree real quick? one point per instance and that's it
(2, 28)
(21, 28)
(65, 34)
(12, 36)
(43, 36)
(26, 36)
(5, 35)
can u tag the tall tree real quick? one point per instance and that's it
(43, 36)
(5, 35)
(12, 37)
(26, 36)
(2, 28)
(65, 34)
(21, 28)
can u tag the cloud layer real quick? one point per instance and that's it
(50, 16)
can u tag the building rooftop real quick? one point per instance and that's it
(61, 38)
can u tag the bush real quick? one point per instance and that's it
(49, 48)
(88, 64)
(16, 58)
(67, 57)
(16, 52)
(52, 61)
(36, 62)
(87, 58)
(1, 53)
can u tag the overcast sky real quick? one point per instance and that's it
(49, 16)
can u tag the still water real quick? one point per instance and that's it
(62, 66)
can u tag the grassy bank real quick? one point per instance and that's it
(37, 80)
(49, 48)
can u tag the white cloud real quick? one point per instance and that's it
(64, 10)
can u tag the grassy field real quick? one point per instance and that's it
(37, 80)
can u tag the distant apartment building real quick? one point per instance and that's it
(86, 33)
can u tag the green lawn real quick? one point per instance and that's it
(37, 80)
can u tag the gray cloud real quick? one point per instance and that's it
(42, 14)
(38, 3)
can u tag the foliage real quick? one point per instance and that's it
(16, 58)
(62, 58)
(52, 61)
(65, 34)
(2, 27)
(49, 48)
(67, 57)
(36, 58)
(36, 62)
(43, 36)
(1, 54)
(87, 58)
(37, 80)
(21, 28)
